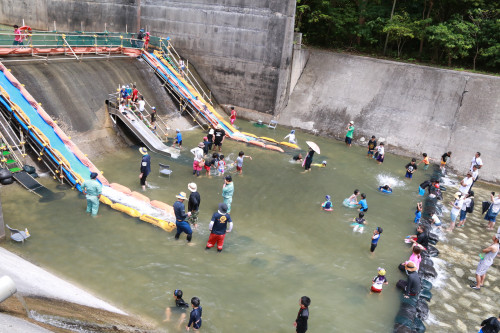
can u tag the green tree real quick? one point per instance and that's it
(400, 29)
(455, 37)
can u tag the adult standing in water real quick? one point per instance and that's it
(181, 216)
(220, 224)
(487, 256)
(348, 136)
(228, 191)
(308, 160)
(193, 204)
(219, 135)
(291, 137)
(92, 190)
(145, 167)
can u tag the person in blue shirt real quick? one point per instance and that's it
(327, 205)
(181, 216)
(375, 238)
(178, 138)
(145, 167)
(363, 204)
(418, 213)
(195, 316)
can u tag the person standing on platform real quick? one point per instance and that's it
(228, 191)
(92, 190)
(145, 167)
(193, 204)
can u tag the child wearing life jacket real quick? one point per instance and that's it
(378, 281)
(327, 205)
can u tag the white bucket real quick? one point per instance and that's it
(7, 288)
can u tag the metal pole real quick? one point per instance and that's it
(387, 37)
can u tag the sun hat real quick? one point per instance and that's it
(192, 187)
(153, 108)
(351, 122)
(181, 195)
(410, 266)
(211, 131)
(177, 130)
(381, 271)
(457, 195)
(223, 208)
(143, 150)
(201, 145)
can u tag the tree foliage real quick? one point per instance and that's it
(463, 33)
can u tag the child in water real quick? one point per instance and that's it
(363, 203)
(353, 199)
(195, 316)
(385, 189)
(221, 165)
(378, 281)
(375, 238)
(303, 315)
(327, 205)
(180, 306)
(425, 160)
(418, 213)
(359, 222)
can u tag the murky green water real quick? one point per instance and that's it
(283, 245)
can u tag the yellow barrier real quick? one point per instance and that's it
(125, 209)
(288, 144)
(105, 200)
(268, 139)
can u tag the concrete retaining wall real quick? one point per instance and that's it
(241, 48)
(417, 109)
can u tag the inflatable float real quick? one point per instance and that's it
(383, 190)
(349, 204)
(288, 144)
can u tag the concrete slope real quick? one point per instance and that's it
(74, 92)
(415, 108)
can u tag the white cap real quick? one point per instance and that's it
(351, 122)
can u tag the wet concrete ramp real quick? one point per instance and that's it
(74, 92)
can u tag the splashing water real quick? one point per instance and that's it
(23, 302)
(442, 275)
(388, 179)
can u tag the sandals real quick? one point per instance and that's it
(475, 287)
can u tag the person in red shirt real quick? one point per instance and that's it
(146, 42)
(135, 94)
(233, 115)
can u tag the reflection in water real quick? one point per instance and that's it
(283, 246)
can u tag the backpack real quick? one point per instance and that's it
(470, 209)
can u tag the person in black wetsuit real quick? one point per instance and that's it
(490, 325)
(303, 315)
(180, 306)
(195, 316)
(308, 161)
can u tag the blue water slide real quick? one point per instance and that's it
(36, 120)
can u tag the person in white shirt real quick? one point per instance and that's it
(291, 137)
(476, 160)
(469, 198)
(466, 183)
(141, 104)
(456, 207)
(492, 213)
(198, 161)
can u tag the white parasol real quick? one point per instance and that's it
(313, 146)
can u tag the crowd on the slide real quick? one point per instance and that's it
(208, 156)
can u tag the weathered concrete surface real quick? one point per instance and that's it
(2, 224)
(74, 93)
(241, 48)
(417, 109)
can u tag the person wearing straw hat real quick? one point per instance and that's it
(193, 204)
(145, 167)
(348, 136)
(487, 256)
(181, 216)
(411, 286)
(220, 224)
(92, 190)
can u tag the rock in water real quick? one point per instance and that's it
(422, 309)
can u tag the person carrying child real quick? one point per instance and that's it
(303, 315)
(378, 281)
(327, 205)
(195, 315)
(375, 238)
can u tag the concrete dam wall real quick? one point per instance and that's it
(241, 48)
(416, 109)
